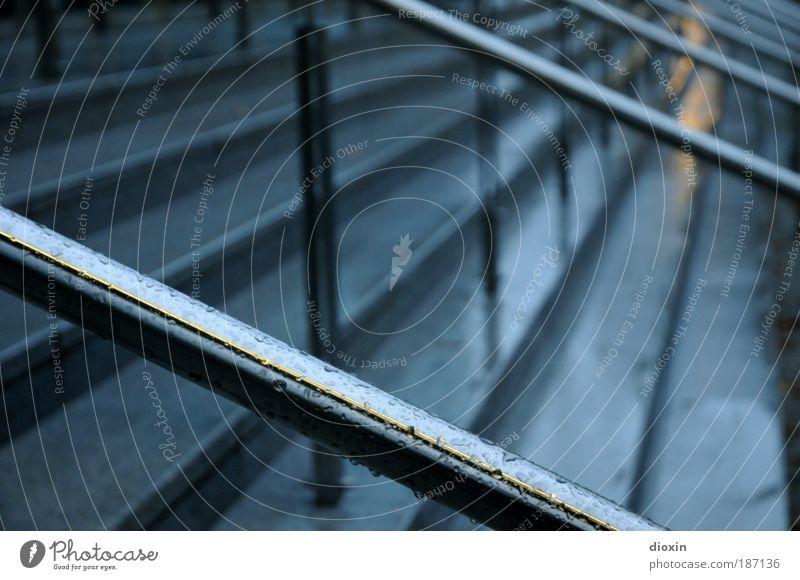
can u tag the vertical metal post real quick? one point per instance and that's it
(213, 8)
(319, 224)
(563, 175)
(353, 12)
(243, 26)
(603, 116)
(48, 38)
(487, 188)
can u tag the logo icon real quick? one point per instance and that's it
(403, 253)
(31, 553)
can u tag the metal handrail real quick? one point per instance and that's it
(278, 382)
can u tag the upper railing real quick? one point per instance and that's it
(619, 107)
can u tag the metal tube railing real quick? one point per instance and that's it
(730, 67)
(572, 85)
(732, 32)
(758, 19)
(280, 383)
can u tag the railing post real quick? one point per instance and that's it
(487, 188)
(48, 38)
(319, 226)
(242, 26)
(563, 175)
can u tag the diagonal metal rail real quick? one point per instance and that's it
(331, 407)
(572, 85)
(732, 32)
(730, 67)
(758, 17)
